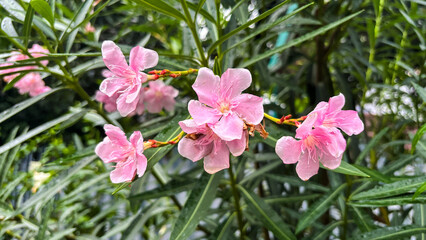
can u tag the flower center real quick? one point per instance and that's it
(224, 107)
(158, 94)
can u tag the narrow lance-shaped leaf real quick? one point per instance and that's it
(317, 209)
(373, 142)
(26, 30)
(196, 206)
(264, 213)
(417, 137)
(348, 169)
(298, 40)
(386, 233)
(43, 8)
(162, 7)
(388, 201)
(169, 189)
(419, 191)
(392, 189)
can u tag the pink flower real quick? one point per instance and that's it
(110, 104)
(202, 142)
(128, 155)
(36, 51)
(331, 116)
(159, 96)
(89, 28)
(127, 79)
(31, 83)
(315, 146)
(221, 104)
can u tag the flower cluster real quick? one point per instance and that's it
(220, 118)
(122, 89)
(320, 140)
(32, 82)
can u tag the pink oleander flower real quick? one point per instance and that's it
(128, 155)
(89, 28)
(159, 96)
(127, 79)
(315, 145)
(221, 104)
(331, 116)
(31, 83)
(110, 103)
(36, 51)
(202, 142)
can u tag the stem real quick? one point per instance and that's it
(237, 202)
(285, 120)
(191, 26)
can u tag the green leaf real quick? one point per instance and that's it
(222, 230)
(196, 206)
(26, 30)
(199, 9)
(391, 189)
(348, 169)
(373, 142)
(7, 158)
(264, 213)
(55, 185)
(10, 84)
(162, 7)
(388, 201)
(375, 174)
(326, 232)
(266, 27)
(43, 8)
(317, 209)
(419, 191)
(35, 132)
(362, 220)
(298, 40)
(298, 182)
(244, 26)
(78, 18)
(417, 137)
(6, 210)
(169, 189)
(386, 233)
(420, 90)
(9, 31)
(6, 114)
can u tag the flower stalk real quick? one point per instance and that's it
(286, 120)
(156, 74)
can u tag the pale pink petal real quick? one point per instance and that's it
(218, 159)
(229, 127)
(153, 105)
(170, 91)
(336, 103)
(329, 161)
(113, 58)
(39, 91)
(116, 135)
(307, 167)
(111, 85)
(124, 104)
(233, 82)
(142, 58)
(238, 146)
(189, 148)
(188, 126)
(137, 141)
(320, 106)
(169, 104)
(349, 122)
(104, 150)
(249, 108)
(306, 127)
(124, 171)
(106, 73)
(288, 149)
(207, 86)
(141, 163)
(202, 114)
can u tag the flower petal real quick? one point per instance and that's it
(104, 150)
(230, 127)
(188, 126)
(329, 161)
(113, 58)
(189, 148)
(238, 146)
(349, 122)
(336, 103)
(249, 108)
(207, 86)
(141, 163)
(111, 85)
(306, 127)
(307, 167)
(137, 141)
(218, 159)
(124, 171)
(124, 104)
(116, 135)
(233, 82)
(142, 58)
(202, 114)
(288, 149)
